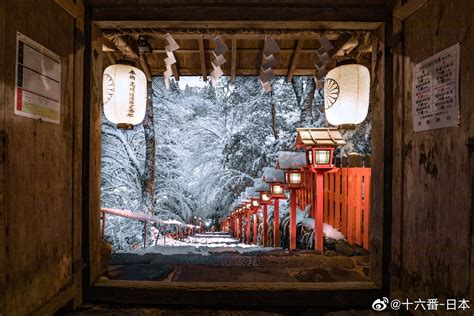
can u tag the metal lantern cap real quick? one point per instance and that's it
(318, 137)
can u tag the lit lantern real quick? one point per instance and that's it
(255, 202)
(346, 94)
(265, 198)
(124, 95)
(319, 144)
(277, 191)
(320, 157)
(263, 191)
(294, 178)
(292, 163)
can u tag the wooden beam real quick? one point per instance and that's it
(314, 294)
(110, 58)
(244, 3)
(202, 55)
(241, 50)
(209, 34)
(127, 45)
(339, 44)
(146, 68)
(335, 23)
(233, 59)
(108, 46)
(238, 71)
(411, 6)
(74, 9)
(294, 61)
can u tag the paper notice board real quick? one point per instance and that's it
(436, 91)
(38, 81)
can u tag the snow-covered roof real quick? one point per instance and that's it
(271, 175)
(318, 137)
(250, 193)
(291, 160)
(260, 186)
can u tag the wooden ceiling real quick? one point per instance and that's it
(297, 55)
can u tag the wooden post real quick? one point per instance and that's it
(337, 199)
(242, 232)
(276, 223)
(255, 227)
(237, 227)
(249, 222)
(103, 225)
(144, 237)
(319, 242)
(332, 190)
(265, 226)
(293, 220)
(351, 194)
(325, 194)
(344, 201)
(358, 207)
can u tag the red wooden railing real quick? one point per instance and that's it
(346, 199)
(347, 203)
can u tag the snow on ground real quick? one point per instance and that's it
(332, 232)
(202, 244)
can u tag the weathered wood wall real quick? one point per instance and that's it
(41, 207)
(94, 143)
(2, 159)
(433, 177)
(378, 148)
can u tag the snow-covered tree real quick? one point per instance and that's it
(210, 143)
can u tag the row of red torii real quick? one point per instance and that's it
(303, 174)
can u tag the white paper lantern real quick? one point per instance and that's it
(124, 95)
(346, 94)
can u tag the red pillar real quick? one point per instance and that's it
(276, 223)
(265, 226)
(236, 227)
(242, 232)
(255, 227)
(319, 212)
(293, 220)
(249, 222)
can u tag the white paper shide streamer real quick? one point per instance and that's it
(323, 55)
(219, 60)
(170, 60)
(269, 61)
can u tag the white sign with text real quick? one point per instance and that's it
(436, 91)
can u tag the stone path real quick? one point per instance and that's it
(231, 266)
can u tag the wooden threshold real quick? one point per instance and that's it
(236, 294)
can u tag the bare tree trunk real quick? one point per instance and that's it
(274, 129)
(148, 179)
(310, 97)
(304, 89)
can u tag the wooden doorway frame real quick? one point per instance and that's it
(336, 14)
